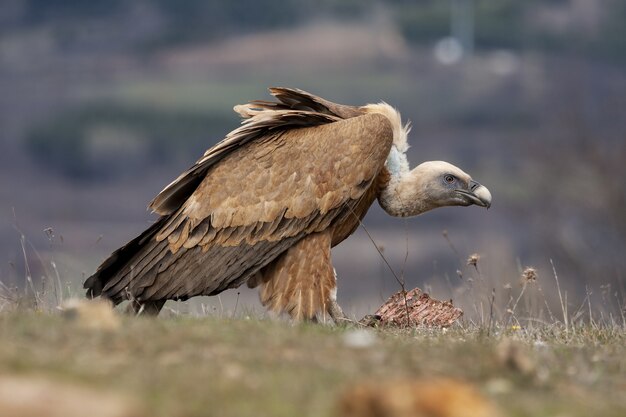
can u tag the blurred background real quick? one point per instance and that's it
(104, 103)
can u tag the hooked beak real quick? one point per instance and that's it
(478, 194)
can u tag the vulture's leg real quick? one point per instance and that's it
(334, 309)
(146, 308)
(336, 313)
(301, 281)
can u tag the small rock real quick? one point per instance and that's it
(359, 338)
(428, 397)
(498, 386)
(91, 314)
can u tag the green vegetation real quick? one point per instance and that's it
(104, 140)
(186, 366)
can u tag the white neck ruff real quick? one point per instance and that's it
(397, 162)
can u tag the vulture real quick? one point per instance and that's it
(265, 206)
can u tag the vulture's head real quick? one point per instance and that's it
(431, 185)
(443, 184)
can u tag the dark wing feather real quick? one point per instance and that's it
(144, 243)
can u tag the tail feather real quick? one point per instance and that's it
(114, 265)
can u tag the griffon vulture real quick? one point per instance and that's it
(266, 205)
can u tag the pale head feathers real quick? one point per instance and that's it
(431, 169)
(421, 189)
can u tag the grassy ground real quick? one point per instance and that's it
(184, 366)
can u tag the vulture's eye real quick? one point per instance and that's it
(449, 179)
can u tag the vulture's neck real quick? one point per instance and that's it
(405, 194)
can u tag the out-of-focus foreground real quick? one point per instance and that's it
(103, 366)
(103, 103)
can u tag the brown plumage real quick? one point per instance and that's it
(266, 204)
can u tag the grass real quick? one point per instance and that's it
(525, 357)
(186, 366)
(528, 359)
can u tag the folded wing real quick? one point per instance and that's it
(283, 175)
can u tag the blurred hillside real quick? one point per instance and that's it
(103, 103)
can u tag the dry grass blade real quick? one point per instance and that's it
(400, 279)
(563, 303)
